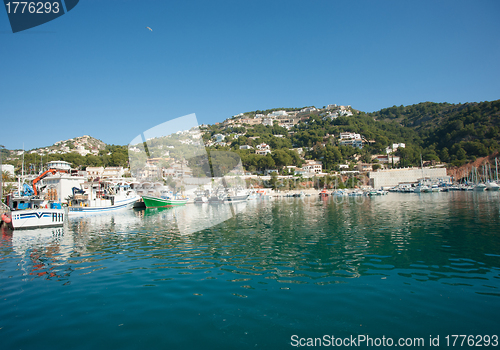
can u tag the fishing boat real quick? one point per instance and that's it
(216, 195)
(28, 210)
(155, 202)
(236, 195)
(201, 196)
(101, 197)
(164, 199)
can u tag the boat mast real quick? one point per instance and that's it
(496, 167)
(21, 178)
(422, 167)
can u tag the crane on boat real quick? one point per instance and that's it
(44, 174)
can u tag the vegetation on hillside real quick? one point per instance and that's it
(448, 132)
(111, 156)
(437, 132)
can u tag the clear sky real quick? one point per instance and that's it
(99, 71)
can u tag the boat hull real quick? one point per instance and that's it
(491, 186)
(119, 205)
(36, 218)
(239, 198)
(480, 188)
(157, 202)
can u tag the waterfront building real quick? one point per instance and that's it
(393, 177)
(113, 172)
(8, 168)
(62, 184)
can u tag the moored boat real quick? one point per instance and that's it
(201, 196)
(235, 195)
(32, 211)
(492, 186)
(480, 187)
(155, 202)
(422, 188)
(324, 193)
(99, 198)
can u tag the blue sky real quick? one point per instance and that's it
(98, 71)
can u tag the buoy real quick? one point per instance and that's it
(6, 219)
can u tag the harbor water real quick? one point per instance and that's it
(269, 274)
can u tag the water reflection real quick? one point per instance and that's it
(451, 238)
(189, 219)
(40, 253)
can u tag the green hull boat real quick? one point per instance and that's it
(154, 202)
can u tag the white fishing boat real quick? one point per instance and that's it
(101, 197)
(29, 210)
(235, 195)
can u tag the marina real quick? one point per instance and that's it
(194, 175)
(394, 265)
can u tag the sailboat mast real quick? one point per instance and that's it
(22, 165)
(496, 167)
(422, 167)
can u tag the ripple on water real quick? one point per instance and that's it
(405, 264)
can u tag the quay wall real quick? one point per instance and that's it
(392, 177)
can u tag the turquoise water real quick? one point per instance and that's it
(399, 266)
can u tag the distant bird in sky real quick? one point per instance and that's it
(149, 29)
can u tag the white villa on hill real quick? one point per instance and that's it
(263, 149)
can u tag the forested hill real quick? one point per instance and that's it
(440, 132)
(452, 132)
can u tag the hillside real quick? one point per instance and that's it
(79, 151)
(449, 132)
(436, 132)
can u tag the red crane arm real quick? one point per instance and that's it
(45, 173)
